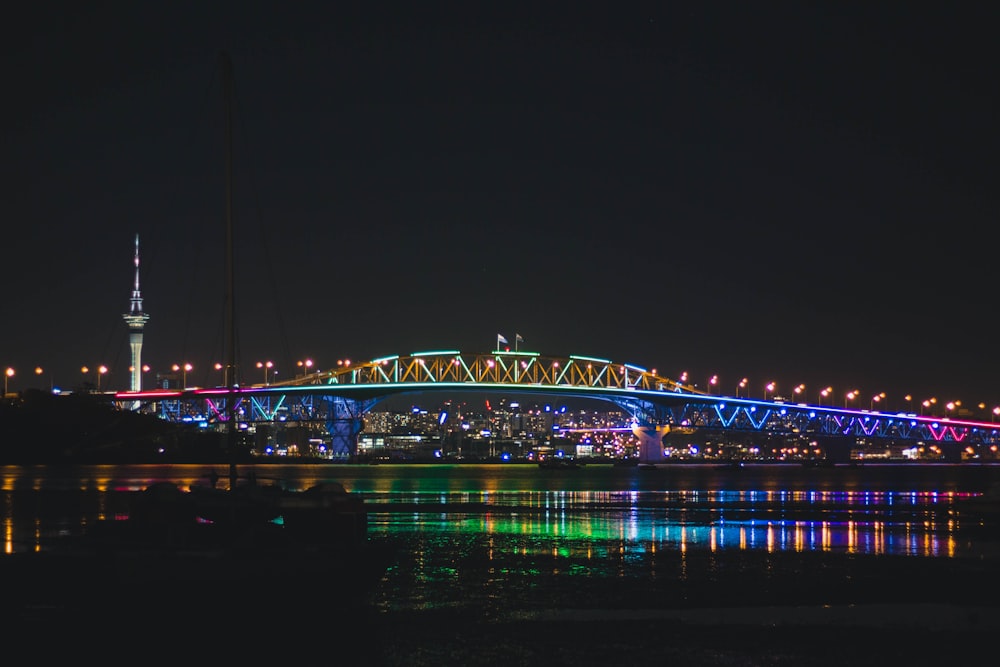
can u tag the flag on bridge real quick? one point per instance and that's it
(517, 339)
(501, 339)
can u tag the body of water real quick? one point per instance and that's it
(498, 542)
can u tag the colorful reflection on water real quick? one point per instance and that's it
(492, 538)
(872, 523)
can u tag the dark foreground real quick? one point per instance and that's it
(442, 602)
(820, 610)
(747, 608)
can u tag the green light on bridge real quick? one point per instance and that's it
(385, 359)
(432, 354)
(599, 361)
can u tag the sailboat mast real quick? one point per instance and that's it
(231, 380)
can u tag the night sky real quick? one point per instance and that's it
(797, 192)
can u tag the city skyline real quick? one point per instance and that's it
(789, 194)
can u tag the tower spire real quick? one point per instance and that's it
(136, 320)
(136, 308)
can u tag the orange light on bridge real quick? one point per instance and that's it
(851, 395)
(266, 366)
(184, 370)
(824, 394)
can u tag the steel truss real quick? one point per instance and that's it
(339, 398)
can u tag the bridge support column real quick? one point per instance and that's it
(952, 451)
(344, 422)
(836, 448)
(651, 442)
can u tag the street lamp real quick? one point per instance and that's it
(267, 366)
(306, 366)
(909, 403)
(928, 403)
(144, 369)
(185, 369)
(101, 370)
(769, 387)
(7, 375)
(741, 385)
(996, 413)
(798, 390)
(875, 399)
(851, 395)
(825, 393)
(712, 381)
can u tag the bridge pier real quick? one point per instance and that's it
(344, 422)
(951, 452)
(836, 448)
(651, 442)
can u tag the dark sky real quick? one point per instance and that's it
(798, 192)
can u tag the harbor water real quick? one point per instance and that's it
(502, 544)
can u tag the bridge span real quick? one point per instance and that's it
(339, 398)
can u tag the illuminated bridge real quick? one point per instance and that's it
(339, 398)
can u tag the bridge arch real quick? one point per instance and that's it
(655, 403)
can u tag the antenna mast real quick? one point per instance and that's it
(231, 379)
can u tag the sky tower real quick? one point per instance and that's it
(136, 320)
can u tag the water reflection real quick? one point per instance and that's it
(578, 521)
(594, 514)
